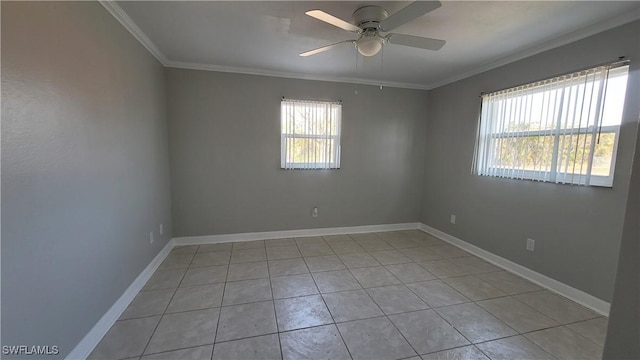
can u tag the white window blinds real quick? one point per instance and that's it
(563, 130)
(310, 134)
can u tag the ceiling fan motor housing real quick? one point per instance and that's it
(368, 17)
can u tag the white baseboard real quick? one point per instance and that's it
(579, 296)
(213, 239)
(93, 337)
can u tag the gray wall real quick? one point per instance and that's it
(577, 229)
(85, 170)
(225, 155)
(623, 334)
(85, 167)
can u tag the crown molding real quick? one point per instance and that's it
(593, 29)
(128, 23)
(545, 46)
(291, 75)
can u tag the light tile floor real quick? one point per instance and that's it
(391, 295)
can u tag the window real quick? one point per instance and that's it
(310, 134)
(563, 130)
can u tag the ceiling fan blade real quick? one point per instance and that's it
(323, 16)
(415, 41)
(324, 48)
(408, 13)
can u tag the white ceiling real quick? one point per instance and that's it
(265, 37)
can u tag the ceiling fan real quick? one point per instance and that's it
(370, 21)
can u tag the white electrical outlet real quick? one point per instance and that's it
(453, 219)
(161, 229)
(314, 212)
(151, 237)
(531, 244)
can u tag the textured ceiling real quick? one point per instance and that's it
(266, 37)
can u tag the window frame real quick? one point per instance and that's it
(334, 139)
(552, 174)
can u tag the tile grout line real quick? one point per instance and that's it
(476, 302)
(334, 292)
(169, 303)
(508, 337)
(273, 302)
(378, 305)
(335, 324)
(393, 324)
(172, 350)
(459, 332)
(438, 314)
(316, 326)
(224, 288)
(401, 334)
(490, 314)
(368, 252)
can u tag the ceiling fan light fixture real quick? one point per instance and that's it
(369, 45)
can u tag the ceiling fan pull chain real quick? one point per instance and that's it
(382, 61)
(355, 91)
(381, 64)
